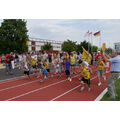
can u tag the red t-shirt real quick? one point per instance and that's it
(97, 55)
(7, 57)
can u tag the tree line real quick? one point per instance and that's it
(13, 36)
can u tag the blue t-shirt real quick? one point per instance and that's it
(115, 66)
(45, 71)
(67, 65)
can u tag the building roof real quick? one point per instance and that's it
(45, 40)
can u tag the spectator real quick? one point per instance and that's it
(8, 59)
(115, 73)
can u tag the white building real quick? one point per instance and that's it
(117, 46)
(35, 44)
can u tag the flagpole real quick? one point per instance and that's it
(100, 39)
(91, 43)
(88, 42)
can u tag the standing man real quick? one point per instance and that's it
(115, 73)
(8, 59)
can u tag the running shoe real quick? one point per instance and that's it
(104, 78)
(89, 89)
(70, 80)
(82, 88)
(38, 76)
(99, 83)
(41, 81)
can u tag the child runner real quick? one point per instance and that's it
(44, 71)
(73, 63)
(25, 68)
(67, 69)
(85, 76)
(100, 72)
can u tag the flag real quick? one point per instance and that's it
(86, 56)
(88, 33)
(103, 47)
(27, 42)
(97, 34)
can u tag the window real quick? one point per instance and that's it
(33, 42)
(33, 48)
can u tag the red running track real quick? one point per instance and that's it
(57, 89)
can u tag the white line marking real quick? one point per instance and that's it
(101, 95)
(17, 78)
(18, 85)
(11, 79)
(38, 89)
(68, 91)
(65, 93)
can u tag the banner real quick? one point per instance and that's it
(103, 47)
(86, 56)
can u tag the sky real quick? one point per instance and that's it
(75, 29)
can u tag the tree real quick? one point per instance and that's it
(47, 46)
(94, 48)
(13, 36)
(108, 50)
(69, 46)
(87, 46)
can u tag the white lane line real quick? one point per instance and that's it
(101, 95)
(17, 78)
(68, 91)
(19, 85)
(11, 79)
(38, 89)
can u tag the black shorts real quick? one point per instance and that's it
(48, 70)
(86, 81)
(26, 72)
(67, 72)
(34, 66)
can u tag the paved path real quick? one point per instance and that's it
(16, 73)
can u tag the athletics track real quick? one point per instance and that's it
(56, 89)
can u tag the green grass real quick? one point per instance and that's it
(117, 86)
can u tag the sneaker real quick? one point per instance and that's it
(89, 89)
(99, 83)
(104, 78)
(45, 77)
(41, 81)
(70, 80)
(51, 76)
(82, 88)
(38, 76)
(71, 73)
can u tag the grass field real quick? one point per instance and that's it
(117, 85)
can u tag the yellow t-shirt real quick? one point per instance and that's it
(33, 61)
(85, 70)
(72, 60)
(46, 65)
(100, 65)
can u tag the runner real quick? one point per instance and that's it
(67, 69)
(73, 63)
(44, 72)
(25, 69)
(100, 70)
(85, 76)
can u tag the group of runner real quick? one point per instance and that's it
(44, 65)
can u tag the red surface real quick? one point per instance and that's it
(23, 90)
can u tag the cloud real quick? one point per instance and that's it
(75, 29)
